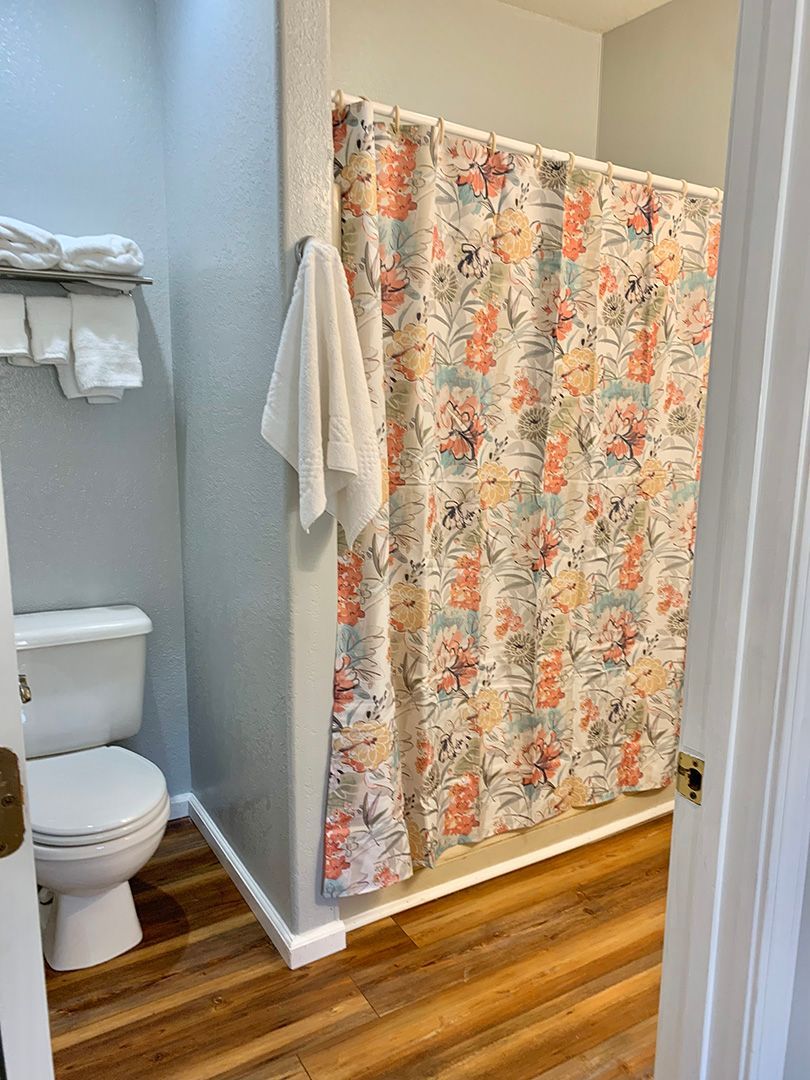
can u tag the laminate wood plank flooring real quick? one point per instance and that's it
(548, 973)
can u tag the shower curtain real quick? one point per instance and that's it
(512, 625)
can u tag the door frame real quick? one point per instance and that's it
(738, 861)
(26, 1041)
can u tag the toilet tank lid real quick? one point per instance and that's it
(39, 629)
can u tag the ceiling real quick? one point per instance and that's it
(599, 15)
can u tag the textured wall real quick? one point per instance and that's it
(477, 62)
(306, 183)
(229, 285)
(91, 491)
(666, 90)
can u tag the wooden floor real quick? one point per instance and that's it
(551, 971)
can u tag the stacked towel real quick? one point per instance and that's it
(105, 344)
(318, 413)
(49, 323)
(13, 335)
(109, 254)
(27, 247)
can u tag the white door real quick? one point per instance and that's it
(26, 1045)
(738, 860)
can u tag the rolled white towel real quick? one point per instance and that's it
(109, 254)
(13, 334)
(27, 247)
(49, 323)
(104, 335)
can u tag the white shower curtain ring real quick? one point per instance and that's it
(396, 119)
(684, 189)
(538, 156)
(493, 142)
(718, 195)
(437, 136)
(571, 161)
(339, 100)
(609, 172)
(648, 182)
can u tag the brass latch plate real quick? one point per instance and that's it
(12, 820)
(689, 779)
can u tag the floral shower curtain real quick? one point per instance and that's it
(512, 625)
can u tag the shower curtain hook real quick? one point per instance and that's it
(718, 195)
(538, 156)
(440, 130)
(684, 189)
(571, 161)
(396, 119)
(609, 172)
(648, 182)
(492, 144)
(339, 100)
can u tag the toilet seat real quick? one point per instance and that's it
(94, 796)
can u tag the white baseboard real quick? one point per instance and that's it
(590, 835)
(295, 949)
(178, 806)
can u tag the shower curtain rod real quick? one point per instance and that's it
(661, 183)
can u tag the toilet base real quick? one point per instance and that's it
(85, 930)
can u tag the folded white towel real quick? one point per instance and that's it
(104, 335)
(27, 247)
(109, 254)
(318, 413)
(70, 388)
(13, 334)
(49, 324)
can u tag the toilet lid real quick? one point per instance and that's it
(74, 798)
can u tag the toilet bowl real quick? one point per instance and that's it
(98, 811)
(97, 817)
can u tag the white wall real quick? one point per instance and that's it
(260, 608)
(476, 62)
(91, 490)
(666, 90)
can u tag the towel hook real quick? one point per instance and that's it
(300, 247)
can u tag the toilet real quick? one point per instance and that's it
(98, 811)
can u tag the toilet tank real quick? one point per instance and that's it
(85, 670)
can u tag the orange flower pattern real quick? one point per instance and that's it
(512, 625)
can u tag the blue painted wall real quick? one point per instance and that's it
(91, 491)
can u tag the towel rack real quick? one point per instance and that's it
(13, 273)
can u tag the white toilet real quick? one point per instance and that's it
(98, 812)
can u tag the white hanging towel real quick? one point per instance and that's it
(318, 413)
(13, 334)
(108, 254)
(49, 323)
(104, 335)
(27, 247)
(66, 373)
